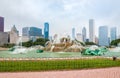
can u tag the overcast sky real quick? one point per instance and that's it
(62, 15)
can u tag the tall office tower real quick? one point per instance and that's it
(103, 36)
(31, 31)
(25, 31)
(113, 33)
(73, 33)
(34, 31)
(46, 30)
(84, 34)
(1, 24)
(91, 31)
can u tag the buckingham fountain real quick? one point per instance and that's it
(59, 47)
(63, 44)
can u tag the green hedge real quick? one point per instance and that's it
(47, 65)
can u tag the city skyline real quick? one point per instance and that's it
(34, 33)
(62, 15)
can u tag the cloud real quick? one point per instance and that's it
(61, 14)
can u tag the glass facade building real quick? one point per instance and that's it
(1, 24)
(103, 36)
(46, 30)
(31, 31)
(34, 31)
(25, 31)
(113, 33)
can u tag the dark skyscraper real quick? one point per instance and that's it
(46, 30)
(1, 24)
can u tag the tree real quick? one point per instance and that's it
(90, 43)
(8, 45)
(115, 42)
(40, 41)
(27, 44)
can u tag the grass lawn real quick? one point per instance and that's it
(48, 65)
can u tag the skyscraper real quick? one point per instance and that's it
(32, 31)
(84, 34)
(73, 33)
(25, 31)
(103, 36)
(113, 33)
(1, 24)
(91, 31)
(46, 30)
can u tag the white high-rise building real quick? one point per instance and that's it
(14, 35)
(84, 34)
(91, 31)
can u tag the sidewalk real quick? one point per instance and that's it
(92, 73)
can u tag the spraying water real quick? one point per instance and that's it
(18, 48)
(116, 49)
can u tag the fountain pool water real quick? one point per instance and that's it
(19, 50)
(116, 49)
(33, 54)
(68, 51)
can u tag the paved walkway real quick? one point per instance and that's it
(93, 73)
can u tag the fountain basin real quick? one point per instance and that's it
(19, 51)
